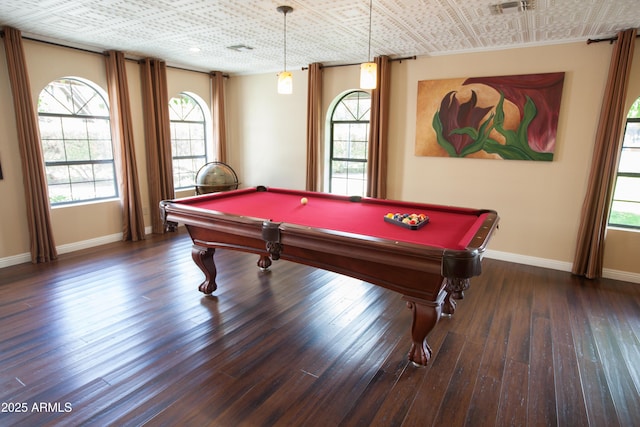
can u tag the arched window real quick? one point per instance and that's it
(625, 207)
(76, 141)
(349, 139)
(188, 139)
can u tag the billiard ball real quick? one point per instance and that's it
(304, 200)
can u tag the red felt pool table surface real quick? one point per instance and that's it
(430, 266)
(448, 227)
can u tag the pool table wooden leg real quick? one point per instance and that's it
(203, 257)
(264, 262)
(425, 317)
(455, 290)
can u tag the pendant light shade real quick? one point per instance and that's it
(368, 70)
(368, 75)
(285, 78)
(285, 83)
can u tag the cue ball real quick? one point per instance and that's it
(304, 200)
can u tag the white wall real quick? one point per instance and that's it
(267, 135)
(539, 202)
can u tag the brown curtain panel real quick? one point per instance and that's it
(122, 134)
(157, 136)
(314, 124)
(41, 242)
(217, 112)
(597, 202)
(378, 131)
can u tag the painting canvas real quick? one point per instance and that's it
(501, 117)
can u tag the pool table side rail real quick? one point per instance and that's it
(411, 269)
(175, 211)
(320, 195)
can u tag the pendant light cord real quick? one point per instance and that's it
(370, 7)
(285, 40)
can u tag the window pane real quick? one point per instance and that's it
(184, 180)
(338, 168)
(53, 150)
(341, 131)
(339, 185)
(196, 132)
(83, 191)
(180, 130)
(625, 214)
(188, 139)
(198, 162)
(57, 174)
(50, 127)
(105, 189)
(75, 145)
(77, 150)
(340, 149)
(99, 129)
(100, 149)
(350, 136)
(183, 148)
(356, 187)
(81, 173)
(59, 193)
(359, 150)
(95, 106)
(103, 171)
(634, 111)
(182, 166)
(53, 100)
(629, 160)
(627, 189)
(632, 135)
(357, 170)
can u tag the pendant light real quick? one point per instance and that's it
(368, 70)
(285, 78)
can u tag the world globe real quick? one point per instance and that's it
(214, 177)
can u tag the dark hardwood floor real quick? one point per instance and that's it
(119, 335)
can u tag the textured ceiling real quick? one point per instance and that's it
(327, 31)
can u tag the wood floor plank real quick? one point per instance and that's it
(623, 391)
(570, 401)
(541, 409)
(121, 333)
(514, 395)
(430, 395)
(457, 397)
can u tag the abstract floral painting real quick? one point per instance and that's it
(504, 117)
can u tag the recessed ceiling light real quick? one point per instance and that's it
(240, 48)
(194, 49)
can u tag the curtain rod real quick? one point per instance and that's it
(608, 39)
(103, 53)
(351, 65)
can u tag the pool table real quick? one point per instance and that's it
(429, 265)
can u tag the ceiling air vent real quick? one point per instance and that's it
(240, 48)
(512, 7)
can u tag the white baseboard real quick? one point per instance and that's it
(529, 260)
(14, 260)
(624, 276)
(70, 247)
(85, 244)
(607, 273)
